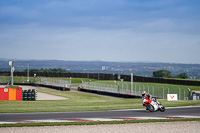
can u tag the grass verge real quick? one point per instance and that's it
(95, 123)
(79, 101)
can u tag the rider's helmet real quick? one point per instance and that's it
(143, 93)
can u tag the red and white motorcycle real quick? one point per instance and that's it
(153, 105)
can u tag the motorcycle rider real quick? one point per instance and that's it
(145, 98)
(144, 95)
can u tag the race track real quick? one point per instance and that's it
(170, 112)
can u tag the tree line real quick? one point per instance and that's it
(50, 70)
(167, 74)
(156, 74)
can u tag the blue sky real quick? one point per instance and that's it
(106, 30)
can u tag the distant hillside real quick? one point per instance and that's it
(139, 69)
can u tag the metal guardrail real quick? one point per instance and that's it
(125, 88)
(55, 82)
(40, 81)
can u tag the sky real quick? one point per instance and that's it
(101, 30)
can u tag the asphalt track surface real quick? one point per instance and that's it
(188, 111)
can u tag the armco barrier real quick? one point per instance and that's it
(109, 93)
(53, 87)
(49, 86)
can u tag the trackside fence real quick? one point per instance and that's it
(38, 80)
(55, 82)
(137, 89)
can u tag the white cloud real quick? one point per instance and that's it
(93, 44)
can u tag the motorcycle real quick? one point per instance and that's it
(153, 105)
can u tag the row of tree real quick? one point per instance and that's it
(50, 70)
(167, 74)
(156, 74)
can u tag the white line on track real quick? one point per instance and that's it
(5, 122)
(146, 118)
(49, 120)
(185, 116)
(165, 108)
(101, 119)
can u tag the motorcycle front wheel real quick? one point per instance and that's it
(162, 109)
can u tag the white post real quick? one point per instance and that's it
(184, 94)
(28, 74)
(11, 71)
(135, 89)
(153, 91)
(139, 90)
(163, 93)
(34, 78)
(131, 82)
(70, 82)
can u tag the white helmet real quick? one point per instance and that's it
(144, 92)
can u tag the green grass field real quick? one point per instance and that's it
(79, 101)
